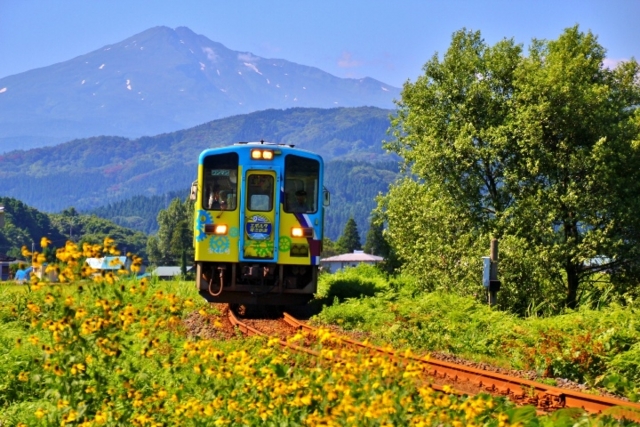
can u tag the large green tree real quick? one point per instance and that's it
(174, 241)
(540, 150)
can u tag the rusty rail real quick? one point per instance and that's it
(520, 390)
(250, 331)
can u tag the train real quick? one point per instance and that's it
(258, 223)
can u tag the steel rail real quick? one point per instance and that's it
(250, 331)
(521, 390)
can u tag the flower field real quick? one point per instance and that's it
(115, 351)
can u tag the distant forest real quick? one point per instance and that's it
(93, 172)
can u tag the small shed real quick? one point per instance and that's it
(5, 262)
(338, 262)
(168, 272)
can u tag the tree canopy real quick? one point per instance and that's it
(350, 238)
(540, 150)
(174, 241)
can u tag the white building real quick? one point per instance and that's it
(338, 262)
(169, 272)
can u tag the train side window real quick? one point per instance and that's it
(260, 193)
(220, 182)
(301, 178)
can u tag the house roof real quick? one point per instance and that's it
(168, 271)
(356, 256)
(6, 258)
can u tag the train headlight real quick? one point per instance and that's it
(217, 229)
(262, 154)
(220, 229)
(301, 232)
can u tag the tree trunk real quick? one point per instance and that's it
(572, 285)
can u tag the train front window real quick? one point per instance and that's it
(260, 193)
(301, 178)
(220, 182)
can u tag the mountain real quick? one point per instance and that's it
(162, 80)
(92, 172)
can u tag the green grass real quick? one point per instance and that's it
(600, 347)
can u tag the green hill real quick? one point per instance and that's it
(25, 226)
(93, 172)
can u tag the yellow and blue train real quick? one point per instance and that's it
(258, 223)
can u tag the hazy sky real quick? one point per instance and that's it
(387, 40)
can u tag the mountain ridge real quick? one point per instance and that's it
(163, 80)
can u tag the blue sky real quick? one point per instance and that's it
(387, 40)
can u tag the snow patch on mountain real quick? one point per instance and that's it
(211, 55)
(253, 67)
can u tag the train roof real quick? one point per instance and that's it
(287, 148)
(262, 142)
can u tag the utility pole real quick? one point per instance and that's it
(490, 274)
(1, 216)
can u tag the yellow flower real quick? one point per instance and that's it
(78, 367)
(100, 417)
(448, 389)
(40, 413)
(23, 376)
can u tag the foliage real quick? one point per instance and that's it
(328, 248)
(356, 282)
(119, 354)
(599, 347)
(174, 242)
(94, 230)
(537, 150)
(374, 242)
(354, 186)
(138, 212)
(350, 238)
(377, 243)
(26, 226)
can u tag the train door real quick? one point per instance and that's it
(259, 216)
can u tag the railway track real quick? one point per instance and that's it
(522, 391)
